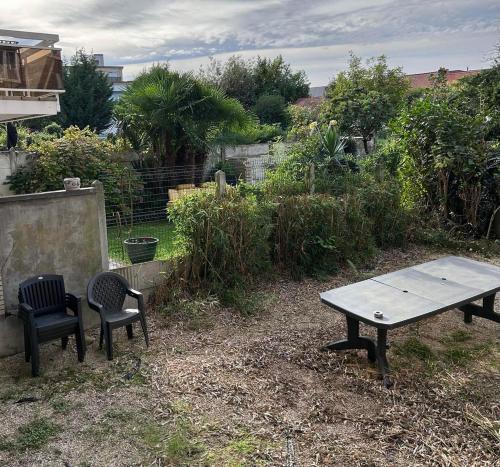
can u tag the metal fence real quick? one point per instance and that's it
(136, 204)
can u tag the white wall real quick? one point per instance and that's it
(9, 162)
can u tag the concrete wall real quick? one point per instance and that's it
(247, 150)
(9, 162)
(56, 232)
(250, 160)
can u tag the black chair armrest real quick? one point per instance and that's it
(134, 293)
(74, 303)
(137, 295)
(95, 306)
(26, 312)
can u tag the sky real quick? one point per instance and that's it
(313, 35)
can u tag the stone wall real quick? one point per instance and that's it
(9, 162)
(55, 232)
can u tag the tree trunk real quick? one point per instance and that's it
(365, 144)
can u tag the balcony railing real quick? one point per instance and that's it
(30, 72)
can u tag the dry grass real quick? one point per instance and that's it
(257, 391)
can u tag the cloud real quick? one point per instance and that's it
(314, 35)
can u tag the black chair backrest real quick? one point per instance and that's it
(44, 293)
(109, 290)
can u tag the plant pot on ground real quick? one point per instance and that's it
(141, 249)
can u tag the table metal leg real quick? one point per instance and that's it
(354, 341)
(486, 311)
(376, 351)
(383, 365)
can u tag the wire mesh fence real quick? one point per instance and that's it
(137, 220)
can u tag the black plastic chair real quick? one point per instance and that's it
(106, 294)
(43, 307)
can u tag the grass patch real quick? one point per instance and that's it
(163, 230)
(457, 336)
(61, 406)
(177, 445)
(242, 450)
(443, 240)
(414, 348)
(32, 435)
(193, 312)
(464, 356)
(247, 302)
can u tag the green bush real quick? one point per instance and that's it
(79, 153)
(381, 200)
(271, 109)
(54, 129)
(225, 240)
(315, 233)
(248, 134)
(448, 168)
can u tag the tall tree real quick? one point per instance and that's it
(172, 114)
(364, 98)
(235, 77)
(87, 97)
(276, 77)
(481, 94)
(248, 80)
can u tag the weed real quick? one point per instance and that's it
(246, 302)
(457, 336)
(178, 446)
(193, 311)
(32, 435)
(61, 406)
(413, 347)
(463, 356)
(239, 451)
(10, 394)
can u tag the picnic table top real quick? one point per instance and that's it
(413, 293)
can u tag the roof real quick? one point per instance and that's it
(423, 80)
(309, 102)
(28, 39)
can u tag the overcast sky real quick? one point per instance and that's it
(314, 35)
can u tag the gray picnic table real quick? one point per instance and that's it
(402, 297)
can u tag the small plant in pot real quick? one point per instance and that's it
(141, 249)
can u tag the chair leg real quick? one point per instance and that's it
(109, 341)
(80, 345)
(144, 328)
(130, 332)
(35, 356)
(27, 344)
(101, 337)
(64, 342)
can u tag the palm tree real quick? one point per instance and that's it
(172, 114)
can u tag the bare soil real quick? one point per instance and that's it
(225, 389)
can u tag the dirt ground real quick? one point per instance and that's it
(220, 388)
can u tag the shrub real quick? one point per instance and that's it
(79, 153)
(300, 118)
(248, 134)
(54, 129)
(448, 167)
(225, 240)
(314, 233)
(271, 109)
(381, 200)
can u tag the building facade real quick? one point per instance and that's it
(31, 78)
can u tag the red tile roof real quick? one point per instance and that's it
(310, 102)
(417, 80)
(422, 80)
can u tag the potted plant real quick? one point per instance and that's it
(141, 249)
